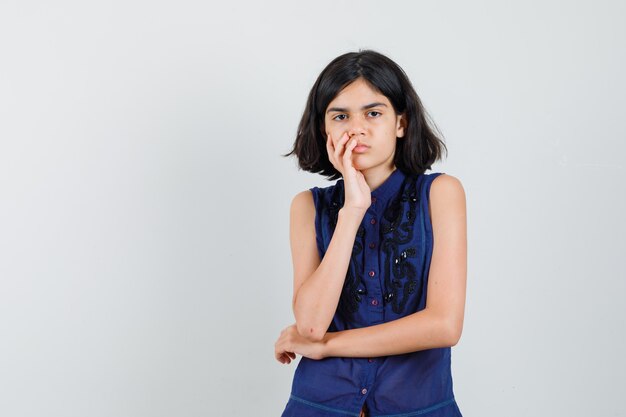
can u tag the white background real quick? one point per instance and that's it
(144, 256)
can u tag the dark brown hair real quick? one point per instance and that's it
(415, 152)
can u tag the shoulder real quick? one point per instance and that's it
(447, 197)
(302, 200)
(302, 212)
(315, 196)
(446, 184)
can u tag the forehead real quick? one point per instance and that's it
(358, 92)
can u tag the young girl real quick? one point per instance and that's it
(379, 257)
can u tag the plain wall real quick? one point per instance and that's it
(145, 267)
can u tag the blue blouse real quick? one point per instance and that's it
(387, 279)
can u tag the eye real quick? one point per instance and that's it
(373, 111)
(335, 118)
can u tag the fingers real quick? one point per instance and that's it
(339, 148)
(286, 359)
(335, 151)
(281, 353)
(347, 155)
(284, 356)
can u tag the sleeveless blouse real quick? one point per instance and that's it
(386, 279)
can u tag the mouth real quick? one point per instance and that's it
(360, 148)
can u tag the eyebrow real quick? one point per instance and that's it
(367, 106)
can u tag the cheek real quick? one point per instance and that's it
(335, 134)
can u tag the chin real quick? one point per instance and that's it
(361, 167)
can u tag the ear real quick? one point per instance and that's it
(400, 125)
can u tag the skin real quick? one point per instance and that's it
(440, 323)
(377, 127)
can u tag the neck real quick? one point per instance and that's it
(375, 176)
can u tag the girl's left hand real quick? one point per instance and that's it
(290, 342)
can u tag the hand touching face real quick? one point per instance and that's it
(362, 113)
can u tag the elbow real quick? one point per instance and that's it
(447, 328)
(454, 339)
(311, 333)
(306, 327)
(453, 333)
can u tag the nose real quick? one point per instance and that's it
(356, 128)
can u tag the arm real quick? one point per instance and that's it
(317, 285)
(440, 323)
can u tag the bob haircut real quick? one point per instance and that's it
(415, 152)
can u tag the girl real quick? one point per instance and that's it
(379, 257)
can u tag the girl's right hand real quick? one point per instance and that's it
(358, 192)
